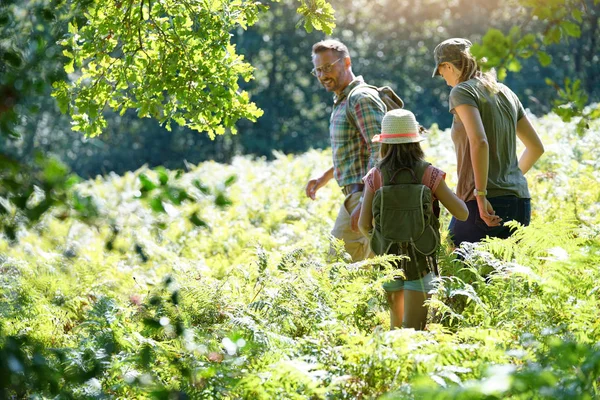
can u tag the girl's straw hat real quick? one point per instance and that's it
(398, 127)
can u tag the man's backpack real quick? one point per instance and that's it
(405, 220)
(391, 100)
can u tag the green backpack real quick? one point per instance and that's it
(406, 220)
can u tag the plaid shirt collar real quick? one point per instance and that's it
(355, 82)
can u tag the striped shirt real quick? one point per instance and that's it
(353, 153)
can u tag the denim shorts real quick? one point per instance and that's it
(474, 229)
(424, 285)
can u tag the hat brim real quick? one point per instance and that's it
(436, 71)
(397, 140)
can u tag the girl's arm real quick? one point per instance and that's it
(533, 144)
(479, 149)
(456, 206)
(365, 221)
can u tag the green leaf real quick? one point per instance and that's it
(147, 184)
(194, 219)
(163, 176)
(72, 180)
(514, 65)
(69, 68)
(577, 15)
(54, 171)
(72, 28)
(222, 201)
(157, 205)
(231, 180)
(501, 74)
(85, 206)
(553, 35)
(200, 186)
(544, 58)
(571, 28)
(176, 195)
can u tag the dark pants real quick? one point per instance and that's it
(474, 229)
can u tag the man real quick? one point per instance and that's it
(353, 152)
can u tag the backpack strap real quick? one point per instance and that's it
(402, 169)
(416, 173)
(349, 111)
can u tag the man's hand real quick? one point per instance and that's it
(354, 218)
(315, 184)
(487, 213)
(312, 187)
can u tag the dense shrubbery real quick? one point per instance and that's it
(216, 283)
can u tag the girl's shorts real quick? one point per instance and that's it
(424, 285)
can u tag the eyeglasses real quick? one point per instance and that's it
(325, 69)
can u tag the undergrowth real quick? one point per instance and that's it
(223, 282)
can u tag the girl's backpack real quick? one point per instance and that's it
(406, 220)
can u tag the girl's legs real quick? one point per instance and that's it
(415, 311)
(396, 302)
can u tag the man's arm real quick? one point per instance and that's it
(317, 183)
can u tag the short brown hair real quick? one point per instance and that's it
(334, 45)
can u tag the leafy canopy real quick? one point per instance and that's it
(556, 20)
(171, 60)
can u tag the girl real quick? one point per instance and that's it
(401, 149)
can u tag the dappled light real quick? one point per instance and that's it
(187, 212)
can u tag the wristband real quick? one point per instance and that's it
(479, 192)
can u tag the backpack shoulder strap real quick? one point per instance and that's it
(349, 109)
(399, 176)
(420, 169)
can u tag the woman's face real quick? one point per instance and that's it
(449, 73)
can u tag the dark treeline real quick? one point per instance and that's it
(391, 43)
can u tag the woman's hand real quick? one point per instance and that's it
(487, 213)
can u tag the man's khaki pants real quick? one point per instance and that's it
(355, 243)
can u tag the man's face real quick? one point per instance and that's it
(330, 70)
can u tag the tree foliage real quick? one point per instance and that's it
(171, 60)
(553, 21)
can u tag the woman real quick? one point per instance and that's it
(401, 150)
(488, 117)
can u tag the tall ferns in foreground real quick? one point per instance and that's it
(238, 291)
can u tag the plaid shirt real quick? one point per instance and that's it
(353, 153)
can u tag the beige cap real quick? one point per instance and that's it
(449, 51)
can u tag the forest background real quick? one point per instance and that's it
(391, 43)
(215, 280)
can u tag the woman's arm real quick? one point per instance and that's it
(365, 221)
(456, 206)
(479, 149)
(533, 144)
